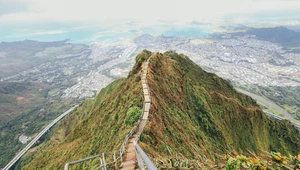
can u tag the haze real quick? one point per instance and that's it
(94, 10)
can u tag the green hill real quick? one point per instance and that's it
(195, 115)
(198, 114)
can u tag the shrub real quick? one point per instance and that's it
(132, 115)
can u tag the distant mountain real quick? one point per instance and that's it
(295, 28)
(194, 114)
(281, 35)
(27, 48)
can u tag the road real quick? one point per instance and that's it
(31, 143)
(269, 103)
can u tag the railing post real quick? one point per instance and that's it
(143, 159)
(121, 155)
(115, 160)
(101, 163)
(66, 166)
(104, 163)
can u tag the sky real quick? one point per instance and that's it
(51, 17)
(100, 10)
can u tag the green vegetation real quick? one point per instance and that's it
(132, 116)
(27, 93)
(96, 126)
(286, 97)
(176, 162)
(27, 116)
(139, 60)
(273, 160)
(213, 118)
(28, 103)
(196, 118)
(20, 55)
(53, 52)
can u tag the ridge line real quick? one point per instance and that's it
(130, 160)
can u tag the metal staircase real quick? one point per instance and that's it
(130, 156)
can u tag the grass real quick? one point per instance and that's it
(96, 126)
(262, 104)
(53, 92)
(207, 111)
(194, 118)
(276, 112)
(27, 117)
(286, 97)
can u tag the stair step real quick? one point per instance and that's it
(130, 156)
(128, 168)
(131, 140)
(130, 150)
(128, 165)
(130, 160)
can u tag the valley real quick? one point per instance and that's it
(64, 74)
(61, 75)
(137, 85)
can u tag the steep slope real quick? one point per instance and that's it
(98, 125)
(194, 114)
(199, 115)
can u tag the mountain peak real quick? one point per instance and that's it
(194, 115)
(198, 113)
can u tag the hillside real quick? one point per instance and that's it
(281, 35)
(27, 48)
(197, 113)
(194, 115)
(19, 56)
(96, 126)
(25, 108)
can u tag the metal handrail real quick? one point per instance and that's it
(78, 161)
(143, 160)
(122, 148)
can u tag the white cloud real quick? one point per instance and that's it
(103, 10)
(51, 32)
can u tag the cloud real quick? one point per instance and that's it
(94, 11)
(13, 6)
(29, 34)
(51, 32)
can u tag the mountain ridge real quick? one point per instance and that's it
(194, 114)
(281, 35)
(218, 95)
